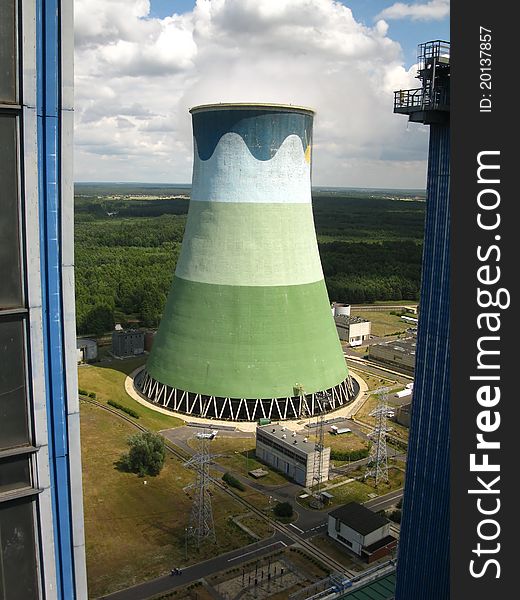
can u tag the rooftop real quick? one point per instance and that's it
(358, 517)
(403, 345)
(287, 437)
(349, 319)
(381, 589)
(251, 106)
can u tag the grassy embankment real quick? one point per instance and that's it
(136, 530)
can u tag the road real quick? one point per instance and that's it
(189, 574)
(309, 523)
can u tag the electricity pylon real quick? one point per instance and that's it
(377, 466)
(201, 525)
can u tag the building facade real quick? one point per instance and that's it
(353, 330)
(87, 350)
(399, 354)
(424, 547)
(362, 531)
(292, 454)
(42, 548)
(127, 343)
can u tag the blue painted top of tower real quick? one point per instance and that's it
(263, 127)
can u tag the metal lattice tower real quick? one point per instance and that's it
(324, 398)
(201, 525)
(377, 466)
(305, 413)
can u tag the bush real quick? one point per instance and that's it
(128, 411)
(346, 455)
(283, 509)
(395, 516)
(92, 395)
(233, 481)
(146, 455)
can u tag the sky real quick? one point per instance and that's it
(141, 64)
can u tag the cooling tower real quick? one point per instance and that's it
(247, 330)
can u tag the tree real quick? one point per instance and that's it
(146, 455)
(100, 319)
(283, 509)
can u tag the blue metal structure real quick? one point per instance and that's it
(42, 546)
(49, 165)
(424, 545)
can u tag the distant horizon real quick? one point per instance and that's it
(188, 185)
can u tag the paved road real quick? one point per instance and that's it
(384, 502)
(167, 583)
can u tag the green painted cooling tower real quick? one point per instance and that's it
(247, 326)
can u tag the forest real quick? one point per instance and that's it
(128, 238)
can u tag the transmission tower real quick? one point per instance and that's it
(305, 413)
(201, 526)
(319, 446)
(377, 466)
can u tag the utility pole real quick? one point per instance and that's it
(377, 466)
(324, 398)
(201, 525)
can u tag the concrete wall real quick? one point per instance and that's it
(301, 472)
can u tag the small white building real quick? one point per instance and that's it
(292, 454)
(354, 330)
(361, 530)
(87, 350)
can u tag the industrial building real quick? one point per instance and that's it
(403, 414)
(149, 337)
(127, 343)
(361, 530)
(339, 309)
(353, 330)
(395, 353)
(87, 350)
(247, 330)
(424, 546)
(42, 544)
(292, 454)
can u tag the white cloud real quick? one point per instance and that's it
(434, 10)
(136, 78)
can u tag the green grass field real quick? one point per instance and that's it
(383, 323)
(239, 457)
(107, 380)
(136, 530)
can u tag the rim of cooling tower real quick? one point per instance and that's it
(243, 409)
(251, 106)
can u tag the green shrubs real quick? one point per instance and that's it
(353, 455)
(82, 392)
(283, 510)
(233, 481)
(395, 515)
(146, 455)
(125, 409)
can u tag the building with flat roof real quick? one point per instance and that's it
(87, 350)
(127, 343)
(292, 454)
(354, 330)
(361, 530)
(395, 353)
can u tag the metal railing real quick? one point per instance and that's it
(421, 99)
